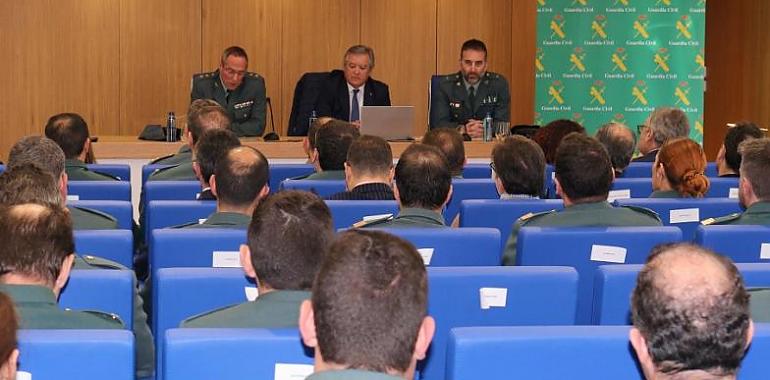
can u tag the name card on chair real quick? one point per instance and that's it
(493, 297)
(73, 197)
(733, 194)
(764, 251)
(608, 254)
(251, 293)
(285, 371)
(618, 194)
(225, 259)
(426, 254)
(21, 375)
(684, 215)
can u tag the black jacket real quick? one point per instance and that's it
(334, 100)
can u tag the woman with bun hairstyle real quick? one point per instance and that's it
(9, 354)
(678, 171)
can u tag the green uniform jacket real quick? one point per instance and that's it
(278, 308)
(450, 106)
(78, 171)
(245, 104)
(351, 374)
(665, 194)
(84, 218)
(760, 305)
(326, 175)
(595, 214)
(409, 218)
(221, 220)
(180, 172)
(145, 348)
(758, 214)
(184, 155)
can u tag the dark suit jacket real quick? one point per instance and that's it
(335, 102)
(649, 157)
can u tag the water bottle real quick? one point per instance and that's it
(170, 127)
(487, 126)
(312, 119)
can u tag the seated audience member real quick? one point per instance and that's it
(368, 170)
(207, 117)
(760, 304)
(518, 168)
(332, 142)
(41, 151)
(367, 318)
(9, 351)
(185, 151)
(239, 183)
(70, 132)
(690, 324)
(753, 187)
(583, 179)
(620, 142)
(213, 144)
(679, 170)
(287, 240)
(450, 142)
(662, 124)
(308, 142)
(728, 159)
(550, 136)
(423, 186)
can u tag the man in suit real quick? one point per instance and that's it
(662, 125)
(728, 159)
(240, 92)
(368, 171)
(619, 141)
(70, 132)
(464, 99)
(343, 94)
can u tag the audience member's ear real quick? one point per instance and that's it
(63, 180)
(188, 137)
(264, 192)
(307, 324)
(424, 337)
(391, 173)
(749, 333)
(559, 191)
(86, 149)
(8, 369)
(396, 194)
(248, 267)
(314, 155)
(197, 170)
(64, 274)
(448, 196)
(640, 347)
(213, 184)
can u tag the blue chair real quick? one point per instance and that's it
(711, 170)
(123, 211)
(176, 248)
(171, 191)
(99, 190)
(565, 352)
(481, 171)
(741, 243)
(441, 247)
(198, 354)
(48, 354)
(148, 169)
(115, 245)
(463, 189)
(534, 296)
(121, 171)
(585, 248)
(685, 213)
(280, 172)
(723, 187)
(323, 188)
(345, 213)
(2, 168)
(638, 170)
(549, 187)
(162, 214)
(633, 187)
(110, 291)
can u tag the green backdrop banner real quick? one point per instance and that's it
(616, 60)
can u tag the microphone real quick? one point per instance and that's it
(272, 136)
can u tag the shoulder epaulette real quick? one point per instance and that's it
(253, 75)
(373, 222)
(101, 263)
(204, 75)
(205, 313)
(97, 212)
(721, 219)
(108, 175)
(644, 210)
(530, 216)
(155, 160)
(110, 317)
(184, 225)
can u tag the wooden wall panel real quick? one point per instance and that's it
(160, 44)
(406, 54)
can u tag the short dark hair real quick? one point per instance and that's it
(333, 142)
(422, 177)
(28, 183)
(241, 174)
(702, 328)
(551, 135)
(520, 164)
(370, 155)
(9, 323)
(213, 144)
(38, 150)
(288, 237)
(734, 137)
(236, 51)
(620, 143)
(34, 240)
(205, 114)
(450, 142)
(369, 300)
(583, 168)
(755, 156)
(474, 44)
(70, 131)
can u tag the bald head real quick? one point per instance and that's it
(241, 177)
(620, 142)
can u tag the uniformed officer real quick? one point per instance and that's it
(194, 129)
(423, 186)
(753, 187)
(240, 92)
(70, 132)
(583, 179)
(332, 143)
(288, 238)
(463, 99)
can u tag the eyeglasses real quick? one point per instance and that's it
(641, 128)
(232, 72)
(492, 166)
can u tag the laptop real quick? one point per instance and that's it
(389, 122)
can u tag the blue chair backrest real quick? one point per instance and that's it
(585, 248)
(549, 187)
(631, 187)
(2, 168)
(741, 243)
(323, 188)
(99, 190)
(685, 213)
(502, 214)
(442, 247)
(280, 172)
(494, 296)
(198, 354)
(565, 352)
(123, 211)
(110, 291)
(48, 354)
(726, 187)
(171, 191)
(148, 169)
(345, 213)
(711, 170)
(463, 189)
(481, 171)
(638, 170)
(211, 247)
(162, 214)
(122, 171)
(115, 245)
